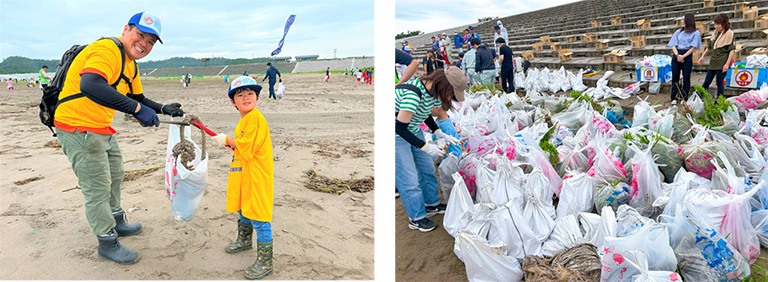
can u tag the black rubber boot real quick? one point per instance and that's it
(110, 248)
(244, 239)
(125, 229)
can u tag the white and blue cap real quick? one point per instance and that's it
(243, 82)
(148, 23)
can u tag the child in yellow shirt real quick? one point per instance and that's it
(250, 190)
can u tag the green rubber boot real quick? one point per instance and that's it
(244, 239)
(263, 265)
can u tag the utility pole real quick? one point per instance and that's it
(334, 54)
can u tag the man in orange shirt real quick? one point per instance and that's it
(104, 78)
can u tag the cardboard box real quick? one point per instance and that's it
(572, 38)
(616, 21)
(638, 42)
(538, 47)
(707, 38)
(696, 55)
(545, 39)
(614, 57)
(739, 6)
(596, 23)
(703, 27)
(589, 38)
(565, 55)
(644, 24)
(750, 14)
(528, 55)
(737, 52)
(554, 46)
(746, 77)
(761, 22)
(709, 3)
(758, 51)
(679, 23)
(602, 44)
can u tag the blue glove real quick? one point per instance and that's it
(147, 116)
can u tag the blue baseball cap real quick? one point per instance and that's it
(243, 82)
(147, 23)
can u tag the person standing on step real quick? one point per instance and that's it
(445, 48)
(685, 40)
(507, 67)
(414, 169)
(503, 32)
(458, 40)
(468, 66)
(83, 120)
(484, 63)
(429, 65)
(723, 51)
(250, 186)
(273, 74)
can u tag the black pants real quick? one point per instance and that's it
(272, 89)
(719, 75)
(678, 88)
(507, 77)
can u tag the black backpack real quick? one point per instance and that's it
(50, 99)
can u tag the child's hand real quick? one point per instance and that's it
(220, 139)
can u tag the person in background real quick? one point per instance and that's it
(43, 76)
(467, 37)
(435, 44)
(468, 65)
(473, 34)
(10, 86)
(503, 32)
(723, 51)
(484, 62)
(461, 58)
(429, 64)
(414, 169)
(683, 42)
(273, 74)
(327, 74)
(226, 78)
(507, 66)
(250, 186)
(458, 40)
(445, 48)
(412, 65)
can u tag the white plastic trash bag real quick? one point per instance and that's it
(458, 204)
(184, 187)
(280, 91)
(447, 168)
(486, 261)
(576, 195)
(651, 239)
(640, 262)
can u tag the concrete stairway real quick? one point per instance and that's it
(574, 19)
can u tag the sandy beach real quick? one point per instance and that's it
(323, 126)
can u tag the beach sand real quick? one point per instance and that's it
(317, 126)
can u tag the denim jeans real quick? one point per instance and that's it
(272, 89)
(720, 75)
(263, 229)
(687, 67)
(415, 178)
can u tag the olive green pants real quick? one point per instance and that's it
(98, 165)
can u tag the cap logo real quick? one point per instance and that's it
(148, 21)
(237, 83)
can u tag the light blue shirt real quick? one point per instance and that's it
(684, 41)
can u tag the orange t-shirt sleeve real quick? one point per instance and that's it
(102, 60)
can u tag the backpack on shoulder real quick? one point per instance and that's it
(50, 99)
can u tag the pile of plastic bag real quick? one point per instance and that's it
(665, 194)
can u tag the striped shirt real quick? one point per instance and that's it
(406, 100)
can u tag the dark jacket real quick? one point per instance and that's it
(271, 73)
(484, 59)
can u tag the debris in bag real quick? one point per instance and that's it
(579, 263)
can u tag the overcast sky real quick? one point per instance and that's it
(44, 29)
(428, 15)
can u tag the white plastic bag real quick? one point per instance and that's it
(651, 239)
(539, 216)
(646, 180)
(576, 195)
(280, 91)
(654, 87)
(486, 261)
(759, 219)
(569, 231)
(458, 204)
(640, 262)
(507, 184)
(447, 168)
(184, 187)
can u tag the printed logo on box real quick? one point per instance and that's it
(744, 78)
(650, 74)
